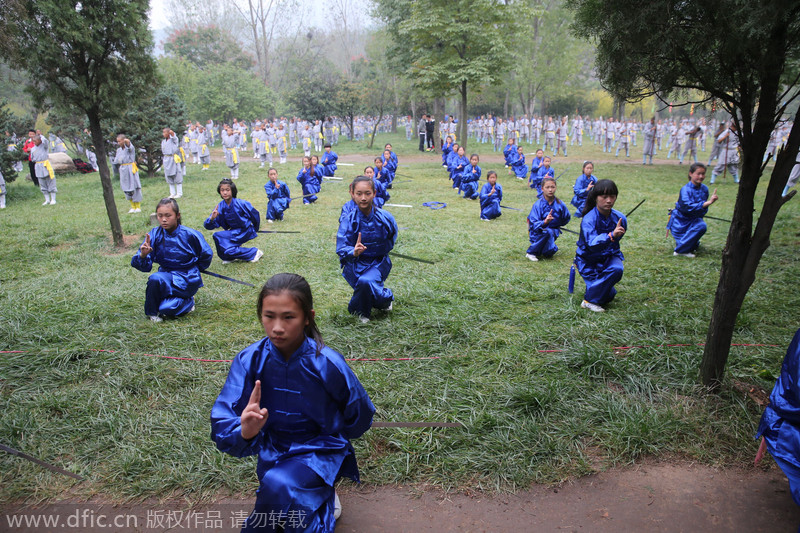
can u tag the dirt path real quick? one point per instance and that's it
(647, 498)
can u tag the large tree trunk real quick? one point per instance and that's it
(743, 249)
(105, 178)
(462, 121)
(437, 116)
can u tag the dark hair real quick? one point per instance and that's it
(300, 290)
(601, 188)
(475, 155)
(694, 167)
(490, 174)
(173, 204)
(327, 145)
(378, 159)
(359, 179)
(584, 165)
(32, 131)
(229, 182)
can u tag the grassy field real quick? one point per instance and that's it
(502, 347)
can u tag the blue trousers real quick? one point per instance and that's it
(292, 497)
(470, 189)
(168, 294)
(687, 237)
(543, 244)
(368, 291)
(228, 244)
(600, 280)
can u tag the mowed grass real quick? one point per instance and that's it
(535, 380)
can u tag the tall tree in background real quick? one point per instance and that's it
(207, 45)
(547, 58)
(746, 55)
(262, 18)
(92, 55)
(451, 45)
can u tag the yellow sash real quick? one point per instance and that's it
(183, 155)
(234, 155)
(321, 136)
(203, 148)
(49, 168)
(176, 158)
(134, 166)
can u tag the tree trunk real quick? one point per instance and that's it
(743, 250)
(462, 122)
(105, 178)
(437, 115)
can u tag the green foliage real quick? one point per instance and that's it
(220, 92)
(206, 46)
(8, 157)
(76, 55)
(314, 95)
(550, 64)
(71, 125)
(226, 92)
(718, 48)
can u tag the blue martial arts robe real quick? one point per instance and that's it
(581, 190)
(311, 184)
(536, 164)
(518, 166)
(543, 238)
(780, 423)
(470, 181)
(279, 199)
(390, 164)
(367, 272)
(328, 163)
(490, 205)
(181, 256)
(686, 220)
(240, 222)
(456, 165)
(381, 194)
(598, 257)
(536, 181)
(510, 154)
(447, 149)
(384, 175)
(316, 406)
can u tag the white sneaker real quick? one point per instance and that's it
(53, 201)
(192, 309)
(137, 210)
(270, 221)
(46, 202)
(390, 307)
(171, 196)
(155, 318)
(363, 319)
(337, 506)
(592, 307)
(684, 255)
(178, 196)
(131, 210)
(532, 257)
(227, 262)
(258, 256)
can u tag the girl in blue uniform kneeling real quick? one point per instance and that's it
(240, 222)
(296, 404)
(686, 220)
(278, 196)
(598, 257)
(366, 236)
(547, 216)
(491, 195)
(181, 253)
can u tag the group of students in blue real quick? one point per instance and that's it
(466, 176)
(293, 401)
